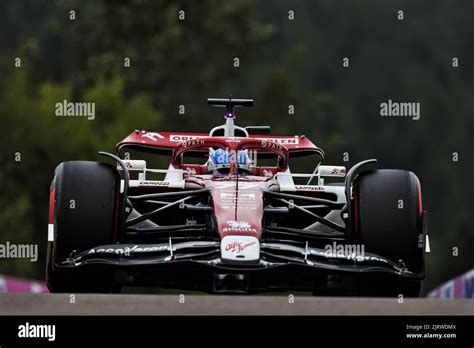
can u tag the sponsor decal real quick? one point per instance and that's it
(152, 136)
(180, 138)
(267, 173)
(133, 164)
(239, 226)
(309, 188)
(192, 143)
(128, 250)
(28, 330)
(240, 249)
(237, 247)
(271, 145)
(154, 183)
(229, 199)
(282, 141)
(354, 252)
(332, 170)
(338, 171)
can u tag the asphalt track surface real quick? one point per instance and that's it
(93, 304)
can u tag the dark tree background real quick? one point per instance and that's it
(282, 62)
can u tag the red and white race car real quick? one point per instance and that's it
(228, 215)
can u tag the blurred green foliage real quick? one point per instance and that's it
(282, 62)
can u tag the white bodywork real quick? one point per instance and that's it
(173, 177)
(240, 249)
(287, 184)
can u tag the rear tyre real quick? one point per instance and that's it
(388, 222)
(85, 196)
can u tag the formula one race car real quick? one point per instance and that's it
(228, 216)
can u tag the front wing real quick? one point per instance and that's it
(197, 265)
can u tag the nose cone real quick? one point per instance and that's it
(238, 211)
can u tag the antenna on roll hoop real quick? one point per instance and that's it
(229, 115)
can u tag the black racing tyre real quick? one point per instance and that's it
(85, 215)
(388, 219)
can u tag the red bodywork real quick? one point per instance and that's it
(238, 211)
(237, 199)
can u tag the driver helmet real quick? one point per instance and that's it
(220, 161)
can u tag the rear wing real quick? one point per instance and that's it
(169, 140)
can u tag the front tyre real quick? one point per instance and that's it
(388, 222)
(84, 215)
